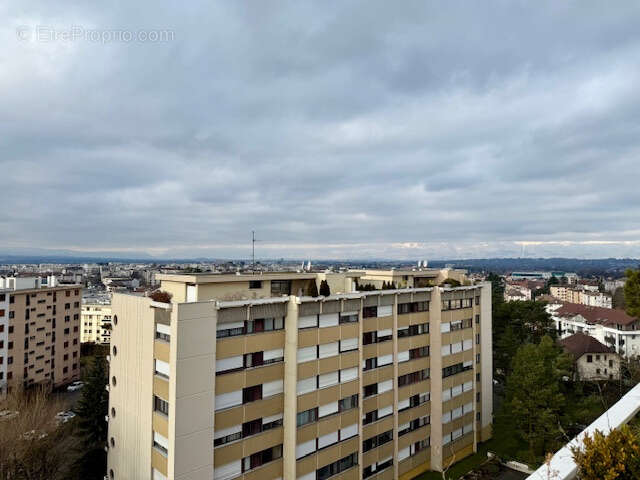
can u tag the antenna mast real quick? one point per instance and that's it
(253, 250)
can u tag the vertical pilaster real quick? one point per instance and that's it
(435, 335)
(290, 387)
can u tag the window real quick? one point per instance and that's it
(376, 441)
(457, 368)
(589, 358)
(254, 359)
(337, 467)
(308, 416)
(328, 320)
(328, 350)
(349, 317)
(227, 400)
(251, 394)
(370, 390)
(348, 403)
(413, 377)
(369, 312)
(229, 364)
(260, 458)
(348, 344)
(308, 321)
(413, 330)
(419, 352)
(280, 287)
(161, 368)
(160, 405)
(163, 332)
(227, 435)
(160, 443)
(412, 307)
(255, 284)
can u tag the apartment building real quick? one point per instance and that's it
(39, 332)
(96, 323)
(377, 384)
(581, 296)
(610, 326)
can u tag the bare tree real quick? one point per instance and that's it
(32, 444)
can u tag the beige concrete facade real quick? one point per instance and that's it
(380, 384)
(96, 323)
(39, 336)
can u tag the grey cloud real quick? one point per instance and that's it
(359, 126)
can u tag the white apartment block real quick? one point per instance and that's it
(96, 323)
(612, 327)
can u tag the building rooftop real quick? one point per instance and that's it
(578, 344)
(597, 315)
(213, 277)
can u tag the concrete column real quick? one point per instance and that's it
(486, 356)
(395, 386)
(290, 389)
(435, 318)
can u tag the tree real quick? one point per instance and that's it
(451, 282)
(618, 298)
(312, 289)
(92, 409)
(32, 445)
(497, 289)
(632, 292)
(325, 291)
(505, 350)
(534, 400)
(614, 456)
(94, 403)
(529, 320)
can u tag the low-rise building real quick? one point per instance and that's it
(516, 293)
(593, 360)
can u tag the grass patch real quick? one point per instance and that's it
(462, 467)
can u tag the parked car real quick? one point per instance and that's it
(75, 386)
(64, 417)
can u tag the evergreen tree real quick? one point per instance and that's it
(534, 400)
(497, 289)
(94, 405)
(505, 350)
(632, 292)
(618, 298)
(312, 290)
(325, 291)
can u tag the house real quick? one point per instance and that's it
(592, 359)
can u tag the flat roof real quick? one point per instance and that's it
(209, 277)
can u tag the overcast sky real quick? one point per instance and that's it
(334, 129)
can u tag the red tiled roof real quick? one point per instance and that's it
(578, 344)
(599, 315)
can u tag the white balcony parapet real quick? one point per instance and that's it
(562, 466)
